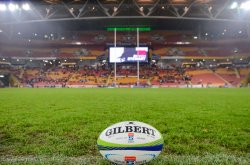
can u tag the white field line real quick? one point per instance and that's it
(170, 159)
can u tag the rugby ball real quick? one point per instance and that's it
(130, 142)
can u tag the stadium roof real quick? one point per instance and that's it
(202, 16)
(23, 11)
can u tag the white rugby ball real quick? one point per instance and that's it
(130, 142)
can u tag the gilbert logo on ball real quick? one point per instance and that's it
(130, 142)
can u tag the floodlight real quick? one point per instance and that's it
(3, 7)
(13, 7)
(245, 5)
(26, 6)
(234, 5)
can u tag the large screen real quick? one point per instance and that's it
(128, 54)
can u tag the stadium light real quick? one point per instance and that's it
(186, 9)
(1, 30)
(3, 7)
(245, 5)
(26, 7)
(234, 5)
(13, 7)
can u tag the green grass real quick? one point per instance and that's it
(61, 126)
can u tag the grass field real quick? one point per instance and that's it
(61, 126)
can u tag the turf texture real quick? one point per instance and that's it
(61, 126)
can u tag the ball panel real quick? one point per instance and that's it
(105, 143)
(122, 157)
(142, 148)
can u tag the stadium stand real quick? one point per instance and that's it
(204, 77)
(229, 75)
(176, 59)
(102, 75)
